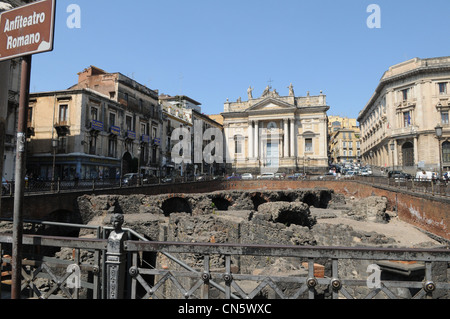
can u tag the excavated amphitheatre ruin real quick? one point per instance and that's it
(314, 217)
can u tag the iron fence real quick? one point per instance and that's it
(223, 271)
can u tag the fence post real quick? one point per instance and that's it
(115, 259)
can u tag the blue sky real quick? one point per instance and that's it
(211, 50)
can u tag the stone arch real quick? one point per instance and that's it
(221, 203)
(311, 199)
(176, 205)
(127, 163)
(257, 200)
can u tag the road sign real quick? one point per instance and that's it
(27, 30)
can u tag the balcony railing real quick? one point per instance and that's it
(409, 130)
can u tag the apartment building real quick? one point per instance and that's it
(344, 140)
(105, 126)
(185, 112)
(405, 124)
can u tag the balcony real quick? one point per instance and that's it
(405, 131)
(62, 128)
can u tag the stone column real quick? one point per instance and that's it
(286, 139)
(395, 154)
(292, 139)
(416, 151)
(250, 139)
(115, 259)
(256, 142)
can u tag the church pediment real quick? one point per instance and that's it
(271, 104)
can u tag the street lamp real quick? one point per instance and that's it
(139, 166)
(55, 144)
(392, 145)
(438, 130)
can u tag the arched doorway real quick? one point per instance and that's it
(127, 163)
(408, 154)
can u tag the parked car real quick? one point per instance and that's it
(399, 175)
(200, 178)
(266, 176)
(279, 176)
(350, 174)
(167, 179)
(365, 172)
(5, 186)
(130, 179)
(295, 176)
(247, 176)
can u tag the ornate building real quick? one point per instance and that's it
(398, 124)
(276, 133)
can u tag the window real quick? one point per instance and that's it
(350, 145)
(238, 144)
(112, 146)
(405, 94)
(344, 144)
(30, 115)
(308, 145)
(143, 129)
(129, 123)
(444, 117)
(93, 145)
(112, 119)
(94, 114)
(63, 114)
(442, 88)
(406, 119)
(446, 152)
(154, 133)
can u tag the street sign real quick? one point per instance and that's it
(27, 30)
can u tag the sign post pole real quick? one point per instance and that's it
(24, 31)
(16, 258)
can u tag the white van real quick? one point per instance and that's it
(423, 175)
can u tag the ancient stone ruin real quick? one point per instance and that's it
(287, 217)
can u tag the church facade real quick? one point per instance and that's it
(277, 134)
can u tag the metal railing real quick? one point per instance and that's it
(432, 187)
(224, 271)
(420, 186)
(57, 186)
